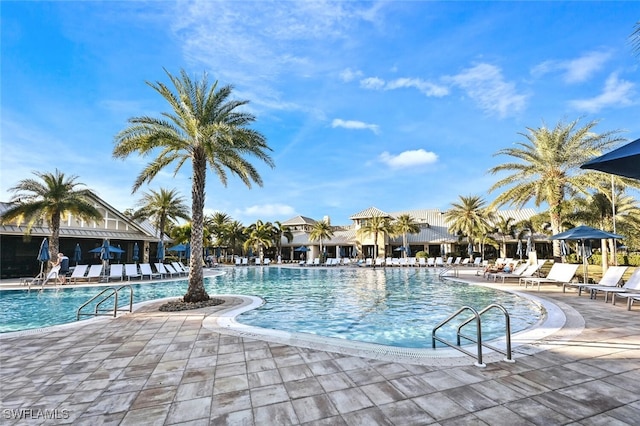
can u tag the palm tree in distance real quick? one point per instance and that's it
(548, 168)
(205, 129)
(259, 235)
(375, 226)
(281, 231)
(470, 217)
(320, 231)
(162, 207)
(403, 225)
(505, 227)
(48, 199)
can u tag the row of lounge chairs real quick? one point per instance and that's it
(563, 274)
(120, 272)
(244, 261)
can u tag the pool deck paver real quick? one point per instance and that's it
(156, 368)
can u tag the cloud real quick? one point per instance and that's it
(412, 158)
(348, 75)
(616, 92)
(426, 87)
(486, 86)
(269, 210)
(575, 70)
(357, 125)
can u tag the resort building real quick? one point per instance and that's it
(18, 251)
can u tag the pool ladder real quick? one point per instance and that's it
(106, 294)
(478, 339)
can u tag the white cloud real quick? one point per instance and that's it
(574, 70)
(348, 75)
(485, 85)
(269, 210)
(616, 92)
(357, 125)
(425, 87)
(412, 158)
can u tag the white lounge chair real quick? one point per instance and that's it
(422, 262)
(403, 261)
(238, 261)
(95, 271)
(171, 270)
(457, 261)
(517, 273)
(245, 261)
(131, 271)
(116, 272)
(78, 273)
(431, 262)
(145, 270)
(439, 261)
(411, 261)
(611, 278)
(266, 261)
(559, 273)
(179, 267)
(631, 287)
(449, 261)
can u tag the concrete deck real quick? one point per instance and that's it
(160, 368)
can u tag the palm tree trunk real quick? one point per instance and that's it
(605, 255)
(54, 244)
(196, 291)
(404, 244)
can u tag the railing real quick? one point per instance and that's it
(107, 293)
(478, 339)
(446, 270)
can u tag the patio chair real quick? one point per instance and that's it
(439, 262)
(611, 278)
(559, 273)
(422, 262)
(179, 267)
(145, 270)
(629, 289)
(238, 261)
(431, 262)
(131, 271)
(411, 261)
(78, 273)
(517, 273)
(116, 272)
(171, 270)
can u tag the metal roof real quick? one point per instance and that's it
(369, 213)
(299, 220)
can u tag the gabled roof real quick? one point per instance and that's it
(299, 220)
(369, 213)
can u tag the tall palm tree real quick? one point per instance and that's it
(547, 167)
(281, 231)
(48, 199)
(259, 235)
(505, 227)
(470, 217)
(235, 235)
(321, 230)
(403, 225)
(375, 226)
(204, 128)
(162, 207)
(217, 224)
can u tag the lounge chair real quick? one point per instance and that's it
(559, 273)
(517, 273)
(431, 262)
(95, 271)
(411, 261)
(457, 261)
(449, 261)
(266, 261)
(171, 270)
(131, 271)
(238, 261)
(611, 278)
(465, 261)
(368, 262)
(245, 261)
(78, 273)
(116, 272)
(316, 261)
(630, 288)
(395, 261)
(402, 261)
(179, 267)
(439, 261)
(145, 270)
(422, 262)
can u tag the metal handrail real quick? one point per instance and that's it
(112, 291)
(447, 269)
(478, 355)
(507, 320)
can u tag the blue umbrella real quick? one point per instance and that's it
(136, 252)
(408, 250)
(179, 248)
(623, 161)
(43, 253)
(77, 253)
(303, 248)
(119, 253)
(160, 251)
(187, 251)
(354, 251)
(105, 251)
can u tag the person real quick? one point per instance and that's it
(64, 268)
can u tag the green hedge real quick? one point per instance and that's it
(631, 259)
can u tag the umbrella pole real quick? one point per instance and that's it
(584, 263)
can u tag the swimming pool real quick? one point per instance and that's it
(396, 307)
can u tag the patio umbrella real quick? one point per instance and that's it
(43, 255)
(408, 251)
(564, 250)
(119, 253)
(529, 245)
(160, 251)
(105, 251)
(624, 161)
(77, 254)
(303, 248)
(354, 251)
(187, 251)
(583, 233)
(112, 249)
(470, 250)
(519, 251)
(136, 252)
(179, 248)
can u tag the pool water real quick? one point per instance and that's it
(396, 307)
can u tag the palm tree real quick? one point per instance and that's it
(505, 227)
(204, 128)
(280, 231)
(321, 230)
(403, 225)
(548, 167)
(259, 235)
(48, 199)
(375, 226)
(162, 207)
(235, 235)
(470, 217)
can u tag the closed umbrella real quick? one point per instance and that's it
(187, 251)
(470, 250)
(529, 245)
(77, 254)
(136, 252)
(564, 250)
(119, 253)
(160, 251)
(43, 256)
(408, 251)
(105, 253)
(519, 250)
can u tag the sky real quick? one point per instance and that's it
(397, 105)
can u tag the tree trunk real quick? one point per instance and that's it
(54, 244)
(605, 255)
(196, 291)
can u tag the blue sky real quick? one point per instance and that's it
(398, 105)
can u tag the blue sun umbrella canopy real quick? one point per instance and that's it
(77, 254)
(112, 249)
(303, 249)
(160, 251)
(136, 252)
(105, 253)
(43, 253)
(178, 248)
(187, 251)
(584, 232)
(624, 161)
